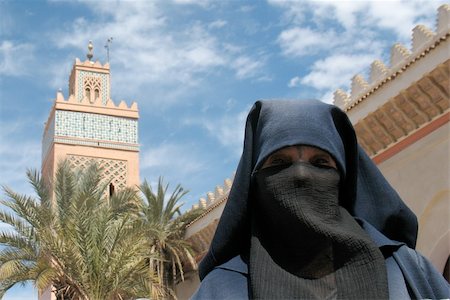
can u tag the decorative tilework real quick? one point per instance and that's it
(114, 170)
(85, 77)
(96, 127)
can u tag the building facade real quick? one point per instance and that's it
(401, 115)
(88, 127)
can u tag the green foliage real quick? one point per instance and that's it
(84, 243)
(164, 228)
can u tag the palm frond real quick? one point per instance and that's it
(40, 188)
(165, 226)
(19, 225)
(23, 206)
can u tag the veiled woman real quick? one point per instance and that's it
(310, 216)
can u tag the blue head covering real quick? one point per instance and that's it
(363, 191)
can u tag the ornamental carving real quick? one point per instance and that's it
(113, 170)
(92, 87)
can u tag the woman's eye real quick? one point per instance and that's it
(322, 162)
(278, 161)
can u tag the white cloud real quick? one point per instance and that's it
(327, 97)
(58, 74)
(246, 67)
(17, 155)
(202, 55)
(294, 82)
(398, 16)
(346, 13)
(170, 157)
(336, 71)
(305, 41)
(145, 43)
(230, 104)
(15, 58)
(295, 11)
(193, 2)
(350, 48)
(402, 16)
(217, 24)
(228, 129)
(247, 8)
(7, 23)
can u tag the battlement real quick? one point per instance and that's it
(423, 41)
(122, 106)
(90, 64)
(215, 198)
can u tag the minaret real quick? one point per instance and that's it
(88, 126)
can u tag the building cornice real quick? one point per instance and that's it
(407, 112)
(424, 41)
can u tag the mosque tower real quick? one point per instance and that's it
(88, 127)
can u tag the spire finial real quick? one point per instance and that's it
(90, 53)
(108, 43)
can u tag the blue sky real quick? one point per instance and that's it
(195, 67)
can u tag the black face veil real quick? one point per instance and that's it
(363, 192)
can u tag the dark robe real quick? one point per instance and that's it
(363, 193)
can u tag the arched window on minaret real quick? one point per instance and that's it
(97, 94)
(87, 93)
(111, 189)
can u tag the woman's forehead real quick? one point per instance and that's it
(300, 150)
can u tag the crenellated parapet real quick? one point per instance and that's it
(219, 195)
(201, 230)
(399, 102)
(90, 64)
(423, 41)
(96, 106)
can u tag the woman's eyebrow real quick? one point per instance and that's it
(275, 156)
(322, 154)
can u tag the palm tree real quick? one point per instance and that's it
(165, 226)
(78, 240)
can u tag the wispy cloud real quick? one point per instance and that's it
(299, 41)
(247, 67)
(335, 71)
(15, 58)
(227, 130)
(340, 52)
(193, 2)
(171, 157)
(401, 16)
(217, 24)
(294, 82)
(17, 155)
(397, 16)
(146, 43)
